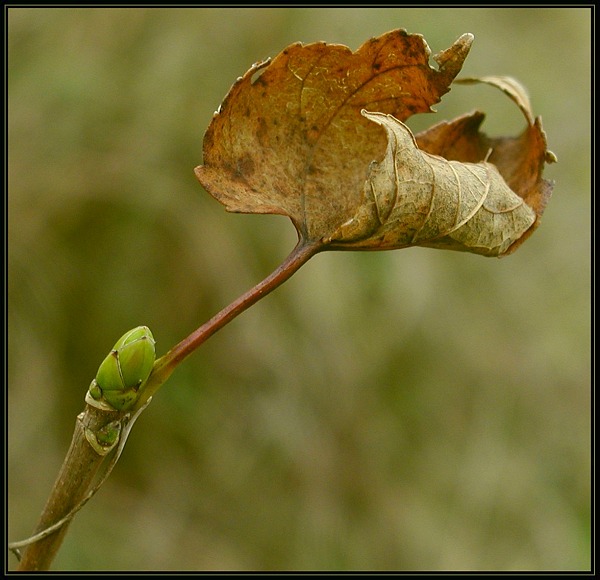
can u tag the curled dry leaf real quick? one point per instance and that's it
(414, 198)
(290, 139)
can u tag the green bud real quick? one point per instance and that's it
(125, 369)
(109, 434)
(136, 356)
(105, 439)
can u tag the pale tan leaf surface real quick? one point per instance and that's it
(289, 137)
(414, 198)
(520, 160)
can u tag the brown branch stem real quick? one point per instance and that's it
(74, 479)
(164, 366)
(82, 462)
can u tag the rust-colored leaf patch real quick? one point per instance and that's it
(290, 139)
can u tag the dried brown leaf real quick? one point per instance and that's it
(289, 138)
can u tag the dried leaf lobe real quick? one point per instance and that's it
(289, 137)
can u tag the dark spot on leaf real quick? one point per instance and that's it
(262, 132)
(245, 166)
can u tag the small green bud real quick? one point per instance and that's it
(109, 434)
(105, 439)
(125, 369)
(136, 356)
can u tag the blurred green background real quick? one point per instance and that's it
(409, 410)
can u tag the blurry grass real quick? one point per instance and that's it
(405, 410)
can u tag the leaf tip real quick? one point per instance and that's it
(451, 60)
